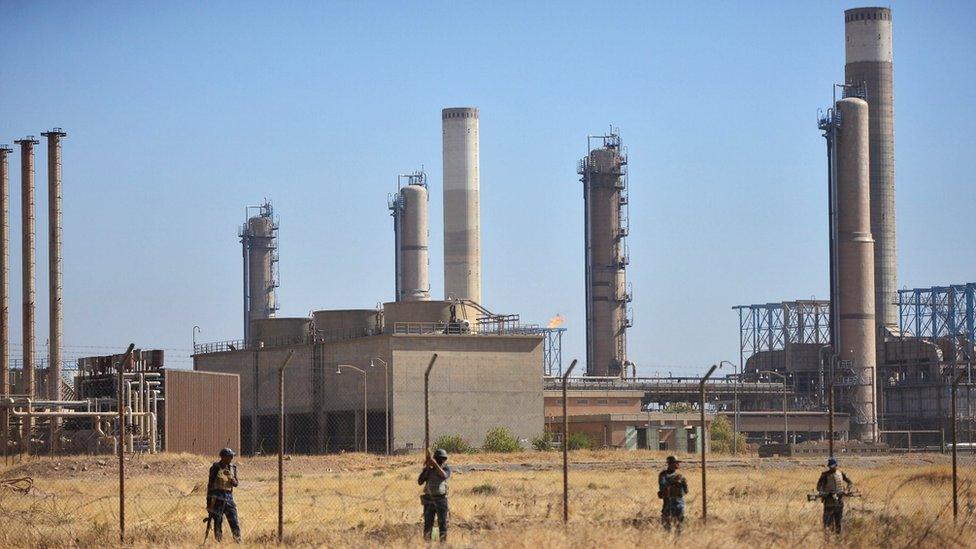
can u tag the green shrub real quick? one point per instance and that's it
(454, 444)
(580, 441)
(722, 438)
(502, 441)
(543, 442)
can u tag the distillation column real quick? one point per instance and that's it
(869, 62)
(412, 231)
(258, 238)
(855, 340)
(27, 245)
(462, 218)
(604, 192)
(54, 261)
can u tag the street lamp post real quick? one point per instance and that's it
(735, 402)
(365, 404)
(786, 425)
(386, 394)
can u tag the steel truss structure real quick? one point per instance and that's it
(775, 326)
(941, 313)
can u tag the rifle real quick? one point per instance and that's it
(211, 516)
(827, 495)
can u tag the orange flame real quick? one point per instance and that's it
(555, 321)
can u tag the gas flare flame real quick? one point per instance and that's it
(555, 321)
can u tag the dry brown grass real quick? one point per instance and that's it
(497, 500)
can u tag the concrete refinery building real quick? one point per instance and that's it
(487, 374)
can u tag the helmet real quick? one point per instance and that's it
(832, 462)
(672, 459)
(440, 453)
(227, 452)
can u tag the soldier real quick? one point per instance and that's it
(220, 495)
(434, 478)
(672, 488)
(830, 491)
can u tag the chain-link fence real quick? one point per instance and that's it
(353, 449)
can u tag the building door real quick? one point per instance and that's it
(642, 437)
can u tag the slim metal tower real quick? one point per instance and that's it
(27, 244)
(606, 220)
(54, 261)
(5, 150)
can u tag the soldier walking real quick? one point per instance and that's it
(434, 500)
(830, 491)
(672, 488)
(220, 495)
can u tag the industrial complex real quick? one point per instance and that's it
(873, 365)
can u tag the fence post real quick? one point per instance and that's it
(566, 447)
(427, 403)
(121, 445)
(955, 443)
(701, 394)
(281, 446)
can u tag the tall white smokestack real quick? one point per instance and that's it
(4, 273)
(462, 217)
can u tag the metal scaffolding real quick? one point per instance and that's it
(774, 326)
(941, 313)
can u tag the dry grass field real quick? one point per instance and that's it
(496, 500)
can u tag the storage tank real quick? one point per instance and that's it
(413, 249)
(462, 210)
(603, 173)
(271, 332)
(855, 340)
(344, 323)
(415, 312)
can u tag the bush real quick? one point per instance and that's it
(502, 441)
(722, 437)
(580, 441)
(484, 489)
(679, 408)
(543, 442)
(454, 444)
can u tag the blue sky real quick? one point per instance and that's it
(180, 113)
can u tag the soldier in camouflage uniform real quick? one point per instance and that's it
(672, 488)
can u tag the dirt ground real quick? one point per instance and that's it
(496, 500)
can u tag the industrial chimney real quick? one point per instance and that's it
(854, 341)
(462, 218)
(54, 260)
(5, 150)
(27, 244)
(869, 63)
(604, 175)
(259, 237)
(411, 231)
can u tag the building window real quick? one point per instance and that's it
(582, 401)
(623, 401)
(602, 402)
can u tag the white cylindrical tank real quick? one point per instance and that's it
(462, 218)
(261, 291)
(274, 332)
(425, 312)
(345, 322)
(414, 255)
(855, 341)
